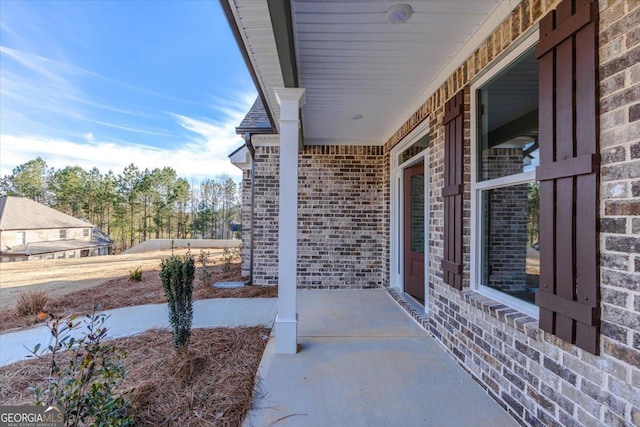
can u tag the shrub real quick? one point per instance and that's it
(135, 275)
(177, 280)
(228, 256)
(84, 388)
(205, 272)
(31, 303)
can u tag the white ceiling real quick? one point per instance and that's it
(352, 62)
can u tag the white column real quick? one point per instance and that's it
(286, 328)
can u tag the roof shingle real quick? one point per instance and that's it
(256, 119)
(20, 213)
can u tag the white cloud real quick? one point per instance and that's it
(219, 135)
(210, 136)
(48, 86)
(57, 95)
(189, 161)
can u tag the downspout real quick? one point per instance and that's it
(252, 151)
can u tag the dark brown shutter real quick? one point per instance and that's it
(452, 191)
(568, 173)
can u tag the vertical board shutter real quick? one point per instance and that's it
(452, 191)
(568, 173)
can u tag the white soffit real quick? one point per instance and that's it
(352, 62)
(253, 22)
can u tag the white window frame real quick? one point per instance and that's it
(21, 238)
(477, 186)
(396, 241)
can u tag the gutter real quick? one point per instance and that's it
(252, 151)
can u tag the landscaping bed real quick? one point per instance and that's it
(209, 384)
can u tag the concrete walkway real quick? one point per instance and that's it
(364, 362)
(127, 321)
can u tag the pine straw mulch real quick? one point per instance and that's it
(211, 384)
(122, 292)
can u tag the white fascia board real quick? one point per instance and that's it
(241, 158)
(499, 13)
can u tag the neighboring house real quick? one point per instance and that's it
(32, 231)
(480, 162)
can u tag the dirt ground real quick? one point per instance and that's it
(60, 277)
(106, 282)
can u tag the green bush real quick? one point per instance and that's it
(31, 303)
(136, 275)
(177, 276)
(84, 388)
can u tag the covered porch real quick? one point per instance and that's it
(339, 85)
(363, 361)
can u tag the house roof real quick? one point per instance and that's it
(20, 213)
(36, 248)
(364, 77)
(257, 120)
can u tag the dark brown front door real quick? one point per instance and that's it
(414, 231)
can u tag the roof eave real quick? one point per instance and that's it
(226, 7)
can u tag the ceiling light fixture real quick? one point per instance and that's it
(399, 14)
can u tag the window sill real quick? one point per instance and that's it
(510, 316)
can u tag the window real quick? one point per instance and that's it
(21, 238)
(71, 254)
(49, 256)
(85, 232)
(36, 257)
(63, 234)
(61, 255)
(414, 149)
(506, 262)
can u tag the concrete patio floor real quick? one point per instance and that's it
(363, 361)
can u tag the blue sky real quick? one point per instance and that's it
(109, 83)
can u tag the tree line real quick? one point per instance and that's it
(135, 205)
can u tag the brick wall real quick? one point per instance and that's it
(265, 216)
(341, 214)
(620, 200)
(340, 237)
(538, 378)
(245, 252)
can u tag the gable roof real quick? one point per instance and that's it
(257, 120)
(20, 213)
